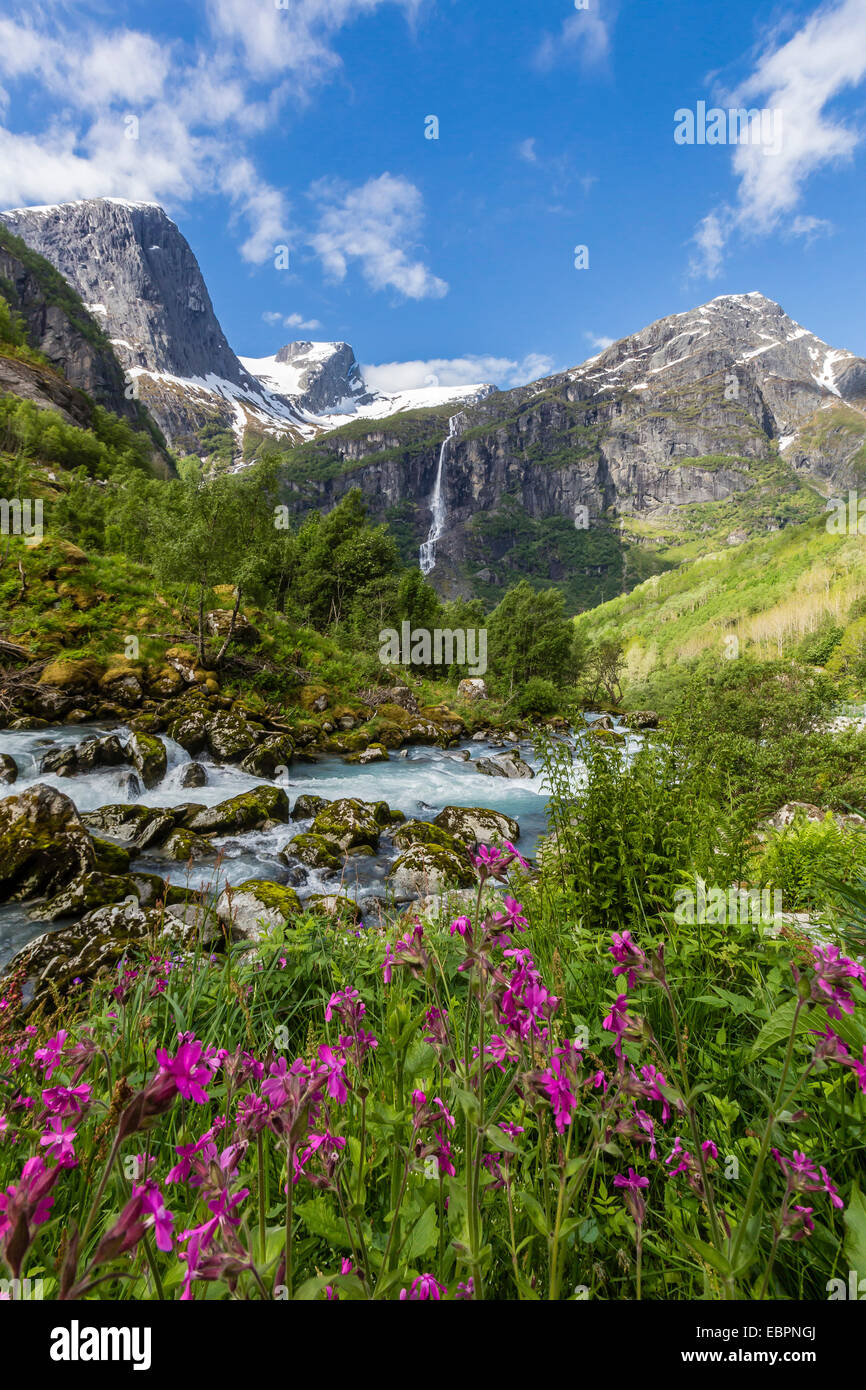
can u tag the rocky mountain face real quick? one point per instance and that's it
(141, 282)
(83, 367)
(651, 439)
(139, 279)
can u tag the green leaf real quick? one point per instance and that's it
(855, 1232)
(425, 1234)
(707, 1253)
(321, 1221)
(535, 1212)
(469, 1105)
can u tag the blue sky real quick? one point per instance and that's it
(263, 123)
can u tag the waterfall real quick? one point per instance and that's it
(427, 553)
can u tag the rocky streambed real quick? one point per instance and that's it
(106, 833)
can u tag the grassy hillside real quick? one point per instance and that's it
(800, 592)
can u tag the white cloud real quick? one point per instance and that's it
(471, 370)
(377, 225)
(585, 34)
(195, 108)
(798, 78)
(526, 150)
(598, 341)
(291, 321)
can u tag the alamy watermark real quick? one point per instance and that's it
(846, 518)
(422, 646)
(21, 517)
(731, 906)
(22, 1290)
(736, 126)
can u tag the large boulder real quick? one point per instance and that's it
(183, 845)
(508, 764)
(148, 757)
(137, 826)
(350, 823)
(72, 676)
(219, 622)
(230, 736)
(190, 730)
(49, 966)
(86, 893)
(267, 757)
(248, 811)
(255, 907)
(315, 851)
(422, 832)
(43, 844)
(477, 824)
(307, 807)
(426, 869)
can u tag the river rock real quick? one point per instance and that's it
(43, 844)
(509, 764)
(373, 753)
(8, 769)
(138, 826)
(190, 730)
(148, 757)
(110, 858)
(307, 807)
(423, 832)
(248, 811)
(230, 736)
(87, 892)
(267, 757)
(183, 845)
(53, 961)
(425, 869)
(315, 851)
(257, 906)
(193, 775)
(349, 823)
(338, 905)
(642, 719)
(477, 824)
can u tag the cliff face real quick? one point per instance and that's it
(142, 284)
(732, 398)
(136, 274)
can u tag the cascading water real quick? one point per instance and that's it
(427, 553)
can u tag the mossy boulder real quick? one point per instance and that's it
(111, 858)
(307, 807)
(150, 889)
(273, 752)
(50, 964)
(183, 845)
(148, 757)
(230, 736)
(422, 832)
(257, 906)
(373, 753)
(190, 730)
(86, 893)
(72, 676)
(247, 811)
(477, 824)
(334, 905)
(315, 851)
(137, 826)
(349, 823)
(43, 844)
(426, 869)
